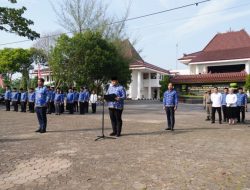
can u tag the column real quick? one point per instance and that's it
(247, 68)
(197, 69)
(139, 83)
(149, 86)
(158, 93)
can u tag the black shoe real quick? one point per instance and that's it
(220, 122)
(167, 129)
(43, 131)
(118, 135)
(38, 130)
(172, 129)
(207, 119)
(112, 134)
(212, 122)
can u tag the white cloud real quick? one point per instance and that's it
(198, 23)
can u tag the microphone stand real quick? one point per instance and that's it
(102, 134)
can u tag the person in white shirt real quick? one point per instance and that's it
(93, 100)
(231, 100)
(216, 99)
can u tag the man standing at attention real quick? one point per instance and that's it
(216, 98)
(224, 105)
(116, 107)
(7, 98)
(170, 102)
(41, 105)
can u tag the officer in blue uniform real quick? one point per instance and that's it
(14, 99)
(7, 98)
(58, 101)
(70, 101)
(76, 97)
(81, 100)
(241, 105)
(41, 105)
(170, 103)
(86, 100)
(23, 100)
(48, 100)
(62, 101)
(31, 99)
(52, 104)
(116, 106)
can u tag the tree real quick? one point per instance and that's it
(164, 84)
(76, 16)
(8, 64)
(12, 20)
(88, 59)
(247, 85)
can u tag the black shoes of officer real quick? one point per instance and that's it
(43, 131)
(112, 134)
(167, 129)
(38, 131)
(118, 135)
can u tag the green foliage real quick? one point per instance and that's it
(247, 85)
(164, 84)
(16, 60)
(233, 85)
(87, 59)
(12, 20)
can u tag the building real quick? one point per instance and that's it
(225, 60)
(145, 76)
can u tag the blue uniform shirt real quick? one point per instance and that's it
(62, 98)
(70, 97)
(86, 96)
(41, 96)
(14, 96)
(81, 96)
(170, 98)
(76, 96)
(32, 97)
(7, 95)
(24, 97)
(53, 94)
(223, 101)
(49, 96)
(241, 99)
(58, 98)
(119, 91)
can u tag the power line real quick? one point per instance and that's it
(125, 20)
(185, 18)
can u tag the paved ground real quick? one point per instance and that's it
(197, 155)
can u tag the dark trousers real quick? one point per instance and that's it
(52, 107)
(7, 105)
(93, 107)
(23, 106)
(76, 106)
(170, 117)
(241, 111)
(214, 109)
(42, 117)
(31, 107)
(86, 107)
(15, 105)
(57, 108)
(82, 110)
(116, 120)
(62, 108)
(225, 113)
(48, 108)
(70, 107)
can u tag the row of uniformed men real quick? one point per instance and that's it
(55, 100)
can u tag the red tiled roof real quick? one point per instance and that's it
(139, 63)
(209, 78)
(224, 46)
(219, 55)
(229, 40)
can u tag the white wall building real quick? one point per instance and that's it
(145, 80)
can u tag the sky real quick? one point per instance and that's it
(161, 38)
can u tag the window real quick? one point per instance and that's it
(153, 75)
(145, 75)
(47, 78)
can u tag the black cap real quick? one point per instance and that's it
(114, 78)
